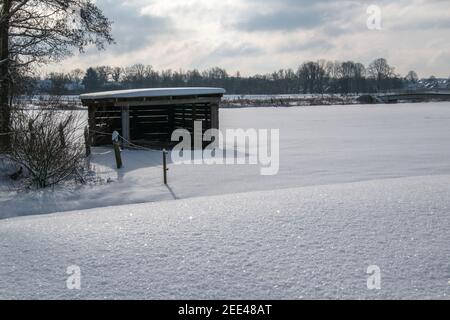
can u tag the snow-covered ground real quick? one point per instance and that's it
(309, 242)
(318, 145)
(358, 186)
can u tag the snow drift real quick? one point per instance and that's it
(309, 242)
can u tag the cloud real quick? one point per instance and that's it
(259, 36)
(133, 30)
(228, 50)
(313, 44)
(282, 21)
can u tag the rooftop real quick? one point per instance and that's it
(152, 92)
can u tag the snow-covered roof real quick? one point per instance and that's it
(152, 92)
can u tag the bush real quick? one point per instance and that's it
(48, 145)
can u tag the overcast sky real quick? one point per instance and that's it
(259, 36)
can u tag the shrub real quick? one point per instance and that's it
(47, 144)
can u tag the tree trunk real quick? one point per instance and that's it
(4, 76)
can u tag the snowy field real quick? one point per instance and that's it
(318, 145)
(357, 186)
(302, 243)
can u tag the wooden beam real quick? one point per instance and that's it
(126, 124)
(171, 121)
(92, 124)
(214, 116)
(167, 102)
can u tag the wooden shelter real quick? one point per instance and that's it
(149, 116)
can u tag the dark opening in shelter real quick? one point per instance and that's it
(149, 116)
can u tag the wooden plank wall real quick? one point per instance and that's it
(106, 119)
(148, 125)
(186, 115)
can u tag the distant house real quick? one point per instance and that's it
(434, 84)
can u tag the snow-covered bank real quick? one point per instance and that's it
(318, 145)
(288, 100)
(311, 242)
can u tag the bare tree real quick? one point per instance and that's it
(321, 75)
(334, 71)
(116, 74)
(412, 77)
(380, 70)
(5, 76)
(104, 73)
(312, 76)
(307, 75)
(58, 83)
(360, 74)
(47, 144)
(348, 75)
(76, 76)
(39, 31)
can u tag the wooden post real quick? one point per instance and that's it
(92, 124)
(126, 125)
(115, 139)
(87, 141)
(214, 116)
(117, 154)
(171, 122)
(165, 166)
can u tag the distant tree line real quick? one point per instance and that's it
(311, 77)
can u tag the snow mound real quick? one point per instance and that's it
(310, 242)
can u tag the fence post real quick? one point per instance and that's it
(165, 165)
(115, 140)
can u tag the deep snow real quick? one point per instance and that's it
(358, 186)
(318, 145)
(310, 242)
